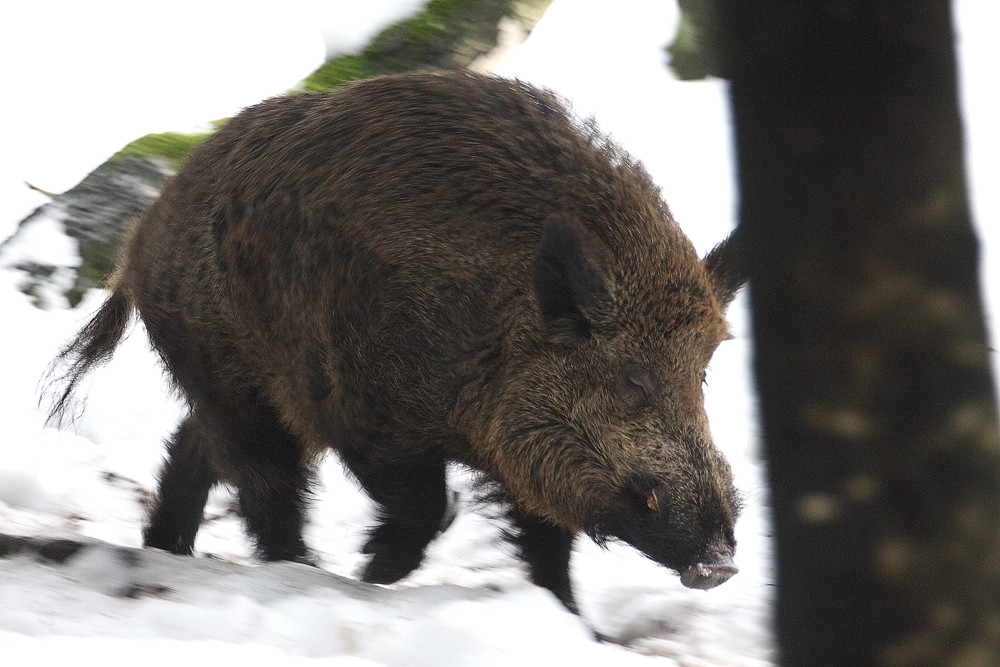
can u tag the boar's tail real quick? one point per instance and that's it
(92, 347)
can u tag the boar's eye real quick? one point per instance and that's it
(637, 386)
(645, 495)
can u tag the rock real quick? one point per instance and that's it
(93, 215)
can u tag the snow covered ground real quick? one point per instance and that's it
(469, 604)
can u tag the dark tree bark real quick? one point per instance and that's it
(872, 365)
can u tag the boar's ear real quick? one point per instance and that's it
(572, 278)
(727, 266)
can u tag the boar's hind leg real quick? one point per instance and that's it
(272, 482)
(185, 481)
(412, 505)
(248, 448)
(545, 548)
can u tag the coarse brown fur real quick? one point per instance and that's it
(427, 268)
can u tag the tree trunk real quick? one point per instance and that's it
(872, 366)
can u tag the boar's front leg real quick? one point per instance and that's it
(412, 497)
(545, 548)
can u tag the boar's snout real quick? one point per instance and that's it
(710, 572)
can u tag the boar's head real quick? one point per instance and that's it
(616, 438)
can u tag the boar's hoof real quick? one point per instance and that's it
(383, 569)
(709, 574)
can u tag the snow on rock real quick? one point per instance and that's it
(87, 220)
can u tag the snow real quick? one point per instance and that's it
(469, 604)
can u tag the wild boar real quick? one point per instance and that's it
(422, 269)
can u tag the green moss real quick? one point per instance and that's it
(97, 263)
(336, 72)
(174, 146)
(74, 295)
(445, 34)
(694, 53)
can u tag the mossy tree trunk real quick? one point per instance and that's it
(442, 34)
(871, 358)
